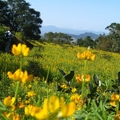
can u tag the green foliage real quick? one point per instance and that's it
(19, 17)
(105, 43)
(48, 61)
(58, 38)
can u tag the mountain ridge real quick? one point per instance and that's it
(72, 32)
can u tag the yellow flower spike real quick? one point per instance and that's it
(53, 104)
(86, 55)
(9, 101)
(20, 49)
(67, 110)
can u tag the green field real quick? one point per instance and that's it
(93, 101)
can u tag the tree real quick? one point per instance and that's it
(114, 29)
(59, 38)
(80, 42)
(21, 18)
(88, 41)
(105, 42)
(3, 12)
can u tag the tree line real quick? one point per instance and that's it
(110, 42)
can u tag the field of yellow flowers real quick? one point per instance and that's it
(59, 82)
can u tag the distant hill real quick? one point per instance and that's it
(84, 35)
(74, 33)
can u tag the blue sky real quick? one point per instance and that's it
(92, 15)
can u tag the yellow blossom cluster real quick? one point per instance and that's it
(20, 49)
(10, 102)
(78, 100)
(53, 106)
(86, 55)
(31, 94)
(20, 75)
(114, 99)
(64, 86)
(82, 78)
(13, 116)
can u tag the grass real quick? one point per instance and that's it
(44, 62)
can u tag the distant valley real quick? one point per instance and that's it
(71, 32)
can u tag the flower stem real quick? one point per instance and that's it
(83, 82)
(16, 91)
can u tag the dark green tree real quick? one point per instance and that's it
(21, 18)
(3, 12)
(114, 33)
(80, 41)
(59, 38)
(88, 41)
(105, 42)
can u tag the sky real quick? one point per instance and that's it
(93, 15)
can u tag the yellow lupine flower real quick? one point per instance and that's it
(16, 50)
(16, 117)
(20, 49)
(25, 77)
(82, 78)
(115, 97)
(92, 57)
(9, 101)
(44, 113)
(74, 90)
(25, 50)
(86, 55)
(53, 104)
(20, 75)
(67, 110)
(27, 109)
(31, 94)
(35, 110)
(64, 86)
(15, 75)
(113, 103)
(7, 115)
(51, 107)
